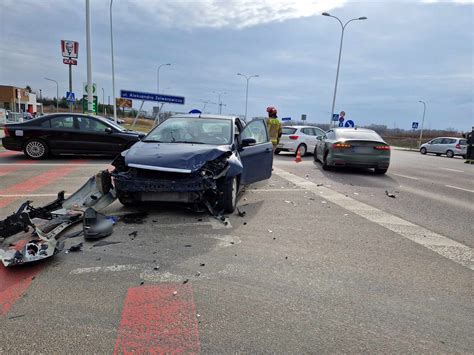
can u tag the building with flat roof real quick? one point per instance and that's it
(27, 100)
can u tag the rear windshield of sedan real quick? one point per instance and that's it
(287, 130)
(358, 135)
(192, 130)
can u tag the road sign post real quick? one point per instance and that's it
(147, 96)
(70, 97)
(70, 52)
(349, 123)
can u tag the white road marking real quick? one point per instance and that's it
(459, 188)
(455, 170)
(274, 190)
(405, 176)
(442, 245)
(32, 195)
(113, 268)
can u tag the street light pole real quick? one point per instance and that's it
(247, 90)
(113, 68)
(103, 101)
(422, 122)
(343, 27)
(57, 93)
(90, 97)
(219, 102)
(158, 77)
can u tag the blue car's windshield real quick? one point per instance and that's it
(192, 130)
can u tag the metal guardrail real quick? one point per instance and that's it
(13, 117)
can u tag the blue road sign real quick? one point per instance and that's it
(70, 97)
(147, 96)
(414, 125)
(349, 123)
(335, 117)
(286, 119)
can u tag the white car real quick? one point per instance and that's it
(298, 137)
(450, 146)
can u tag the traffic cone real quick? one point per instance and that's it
(298, 156)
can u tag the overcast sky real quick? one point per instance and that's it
(405, 52)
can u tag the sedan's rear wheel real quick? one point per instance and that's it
(423, 150)
(36, 149)
(450, 154)
(315, 155)
(229, 191)
(325, 162)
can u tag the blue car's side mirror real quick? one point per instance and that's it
(246, 142)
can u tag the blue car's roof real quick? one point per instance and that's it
(205, 115)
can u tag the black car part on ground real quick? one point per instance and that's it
(20, 221)
(96, 225)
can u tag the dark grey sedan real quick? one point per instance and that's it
(355, 147)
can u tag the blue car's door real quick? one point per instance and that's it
(257, 158)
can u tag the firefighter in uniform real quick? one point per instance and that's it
(470, 147)
(274, 126)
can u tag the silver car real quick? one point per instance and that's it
(450, 146)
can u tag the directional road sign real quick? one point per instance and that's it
(349, 123)
(414, 125)
(286, 119)
(70, 97)
(147, 96)
(335, 117)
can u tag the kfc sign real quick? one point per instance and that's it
(69, 49)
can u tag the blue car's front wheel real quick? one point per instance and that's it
(229, 191)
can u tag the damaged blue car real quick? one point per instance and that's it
(196, 159)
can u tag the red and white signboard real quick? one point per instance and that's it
(69, 61)
(69, 49)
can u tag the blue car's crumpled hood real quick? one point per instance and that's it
(174, 155)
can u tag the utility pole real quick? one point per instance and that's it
(70, 85)
(90, 98)
(343, 27)
(113, 69)
(422, 122)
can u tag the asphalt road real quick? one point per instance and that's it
(322, 262)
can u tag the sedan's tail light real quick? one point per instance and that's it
(382, 147)
(341, 145)
(293, 137)
(6, 132)
(458, 146)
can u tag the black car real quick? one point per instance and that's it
(195, 159)
(68, 133)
